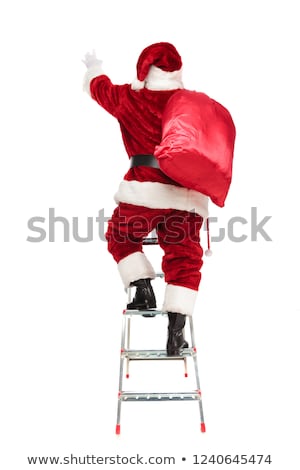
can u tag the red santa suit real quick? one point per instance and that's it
(147, 198)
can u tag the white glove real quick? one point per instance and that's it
(90, 59)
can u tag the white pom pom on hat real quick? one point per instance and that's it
(164, 57)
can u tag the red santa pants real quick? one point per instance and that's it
(178, 236)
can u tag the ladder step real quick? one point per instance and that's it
(150, 312)
(178, 396)
(150, 241)
(156, 354)
(161, 275)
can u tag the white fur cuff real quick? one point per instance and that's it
(179, 299)
(135, 266)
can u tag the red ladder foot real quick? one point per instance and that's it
(118, 429)
(203, 428)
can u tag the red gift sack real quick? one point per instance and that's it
(196, 150)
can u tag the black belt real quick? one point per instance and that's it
(143, 160)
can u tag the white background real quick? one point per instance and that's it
(61, 302)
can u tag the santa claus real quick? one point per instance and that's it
(148, 198)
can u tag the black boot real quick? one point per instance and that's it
(176, 341)
(144, 296)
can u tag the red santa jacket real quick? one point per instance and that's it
(139, 114)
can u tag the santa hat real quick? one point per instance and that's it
(159, 68)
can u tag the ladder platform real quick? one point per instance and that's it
(174, 396)
(155, 354)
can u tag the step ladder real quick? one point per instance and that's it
(127, 355)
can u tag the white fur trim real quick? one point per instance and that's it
(162, 196)
(179, 299)
(135, 266)
(92, 72)
(158, 80)
(137, 84)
